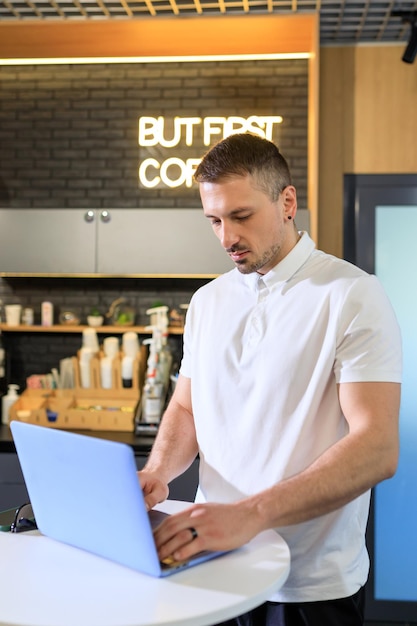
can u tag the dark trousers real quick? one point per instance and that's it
(342, 612)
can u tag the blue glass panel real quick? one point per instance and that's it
(395, 557)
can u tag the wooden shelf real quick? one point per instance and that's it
(108, 330)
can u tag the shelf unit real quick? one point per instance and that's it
(63, 328)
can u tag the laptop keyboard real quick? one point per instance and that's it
(156, 517)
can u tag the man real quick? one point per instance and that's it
(289, 391)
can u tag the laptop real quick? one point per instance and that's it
(85, 492)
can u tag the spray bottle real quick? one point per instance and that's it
(160, 336)
(152, 390)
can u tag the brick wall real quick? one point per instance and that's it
(69, 138)
(69, 133)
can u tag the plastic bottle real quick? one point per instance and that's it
(160, 338)
(3, 379)
(47, 313)
(106, 372)
(7, 401)
(165, 358)
(2, 365)
(127, 372)
(152, 401)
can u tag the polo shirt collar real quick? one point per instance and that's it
(286, 268)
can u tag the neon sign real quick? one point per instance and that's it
(176, 172)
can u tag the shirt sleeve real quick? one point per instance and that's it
(369, 345)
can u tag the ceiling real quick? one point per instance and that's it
(340, 22)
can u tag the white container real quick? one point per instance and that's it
(47, 313)
(86, 354)
(152, 402)
(28, 317)
(127, 372)
(90, 339)
(111, 346)
(13, 313)
(130, 344)
(7, 401)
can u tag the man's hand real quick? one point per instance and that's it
(154, 490)
(205, 527)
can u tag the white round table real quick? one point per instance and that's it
(47, 583)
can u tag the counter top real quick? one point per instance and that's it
(140, 444)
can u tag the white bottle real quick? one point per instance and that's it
(106, 372)
(47, 313)
(127, 372)
(7, 401)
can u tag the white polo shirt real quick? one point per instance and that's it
(264, 355)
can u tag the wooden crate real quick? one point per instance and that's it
(85, 409)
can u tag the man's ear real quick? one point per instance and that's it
(290, 201)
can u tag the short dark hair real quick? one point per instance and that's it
(242, 154)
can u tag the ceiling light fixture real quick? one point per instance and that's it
(162, 59)
(411, 49)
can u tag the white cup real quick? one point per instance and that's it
(13, 313)
(90, 339)
(111, 346)
(130, 343)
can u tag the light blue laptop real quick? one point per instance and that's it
(85, 492)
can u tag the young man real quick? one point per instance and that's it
(289, 391)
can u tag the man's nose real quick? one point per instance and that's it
(228, 236)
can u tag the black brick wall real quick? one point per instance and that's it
(69, 133)
(69, 138)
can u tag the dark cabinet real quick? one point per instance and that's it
(13, 489)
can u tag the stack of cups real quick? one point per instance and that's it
(89, 349)
(90, 339)
(86, 354)
(111, 350)
(130, 344)
(13, 312)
